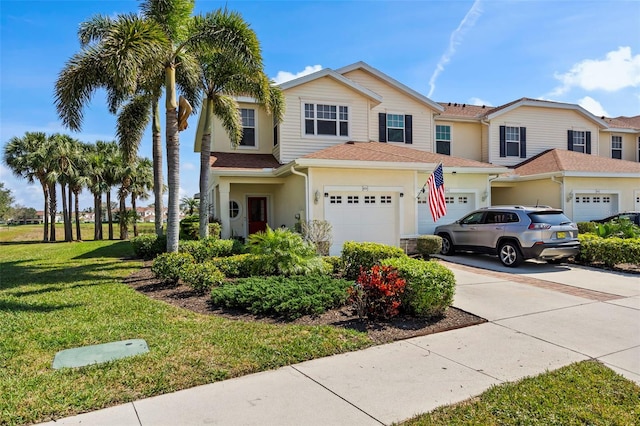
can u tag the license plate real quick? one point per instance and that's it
(561, 235)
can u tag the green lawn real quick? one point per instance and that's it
(22, 233)
(62, 295)
(585, 393)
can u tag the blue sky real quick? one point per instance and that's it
(478, 52)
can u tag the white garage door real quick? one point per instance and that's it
(587, 207)
(458, 205)
(357, 216)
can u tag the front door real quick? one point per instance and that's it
(257, 214)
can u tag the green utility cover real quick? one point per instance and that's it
(95, 354)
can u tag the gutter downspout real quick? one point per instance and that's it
(491, 179)
(306, 190)
(562, 202)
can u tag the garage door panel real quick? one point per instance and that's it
(589, 206)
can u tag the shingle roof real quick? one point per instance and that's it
(560, 160)
(624, 122)
(237, 160)
(385, 152)
(463, 110)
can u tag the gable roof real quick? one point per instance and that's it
(456, 110)
(329, 73)
(242, 161)
(391, 82)
(560, 160)
(380, 152)
(623, 122)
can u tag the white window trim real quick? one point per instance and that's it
(404, 128)
(616, 149)
(436, 140)
(335, 103)
(584, 140)
(239, 215)
(507, 141)
(256, 133)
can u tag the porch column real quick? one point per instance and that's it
(223, 189)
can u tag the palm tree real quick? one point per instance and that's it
(63, 156)
(223, 76)
(95, 172)
(26, 157)
(189, 205)
(79, 180)
(141, 182)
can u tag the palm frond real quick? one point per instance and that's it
(226, 109)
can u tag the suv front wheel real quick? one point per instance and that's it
(509, 254)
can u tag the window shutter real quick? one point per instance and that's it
(408, 129)
(588, 142)
(382, 127)
(503, 141)
(570, 140)
(523, 142)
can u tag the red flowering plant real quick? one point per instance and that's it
(376, 293)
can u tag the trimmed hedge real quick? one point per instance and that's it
(169, 266)
(202, 276)
(236, 266)
(610, 251)
(356, 255)
(190, 227)
(148, 246)
(287, 297)
(586, 227)
(430, 286)
(209, 248)
(428, 245)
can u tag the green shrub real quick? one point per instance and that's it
(148, 246)
(620, 228)
(377, 293)
(337, 267)
(586, 227)
(202, 276)
(236, 266)
(215, 229)
(190, 227)
(357, 255)
(287, 297)
(169, 266)
(430, 286)
(428, 245)
(610, 251)
(282, 251)
(209, 248)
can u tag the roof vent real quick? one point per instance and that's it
(483, 106)
(449, 103)
(455, 104)
(350, 143)
(464, 105)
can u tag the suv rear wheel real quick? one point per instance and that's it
(447, 245)
(509, 254)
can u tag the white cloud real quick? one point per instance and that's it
(618, 70)
(187, 166)
(455, 40)
(479, 102)
(283, 76)
(592, 106)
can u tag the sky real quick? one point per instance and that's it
(479, 52)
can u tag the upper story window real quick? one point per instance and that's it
(513, 141)
(395, 128)
(579, 141)
(248, 127)
(616, 147)
(443, 139)
(324, 119)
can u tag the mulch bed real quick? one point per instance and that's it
(399, 328)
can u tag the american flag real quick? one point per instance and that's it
(437, 204)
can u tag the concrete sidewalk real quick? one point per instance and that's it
(541, 318)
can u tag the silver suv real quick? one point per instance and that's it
(514, 233)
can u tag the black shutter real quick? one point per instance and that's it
(570, 140)
(382, 127)
(408, 129)
(588, 142)
(503, 141)
(523, 142)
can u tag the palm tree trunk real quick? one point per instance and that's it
(135, 214)
(77, 207)
(205, 156)
(70, 213)
(157, 168)
(45, 191)
(109, 214)
(65, 214)
(173, 159)
(97, 216)
(124, 228)
(53, 206)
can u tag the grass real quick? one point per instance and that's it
(22, 233)
(57, 296)
(585, 393)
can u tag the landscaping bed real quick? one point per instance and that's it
(397, 328)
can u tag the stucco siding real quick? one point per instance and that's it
(294, 143)
(546, 129)
(466, 139)
(289, 200)
(529, 193)
(397, 102)
(629, 145)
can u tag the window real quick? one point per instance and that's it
(335, 199)
(322, 119)
(616, 147)
(234, 209)
(395, 128)
(385, 199)
(248, 127)
(369, 199)
(513, 141)
(443, 140)
(353, 199)
(579, 141)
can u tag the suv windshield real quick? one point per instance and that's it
(552, 218)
